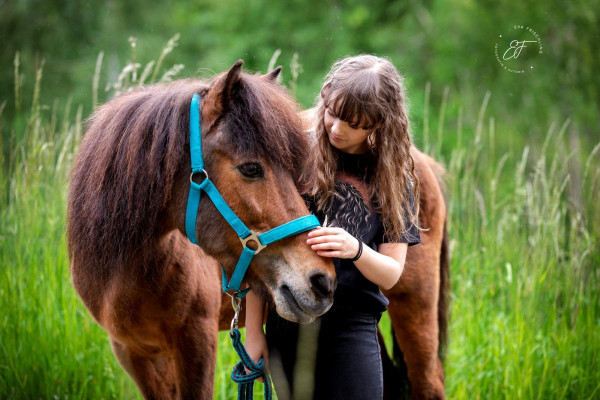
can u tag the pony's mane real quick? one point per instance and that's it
(136, 146)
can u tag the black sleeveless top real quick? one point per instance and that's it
(353, 210)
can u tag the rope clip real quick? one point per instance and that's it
(236, 303)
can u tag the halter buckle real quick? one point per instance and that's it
(253, 236)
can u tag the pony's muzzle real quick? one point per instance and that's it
(322, 285)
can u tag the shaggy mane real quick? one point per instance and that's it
(137, 144)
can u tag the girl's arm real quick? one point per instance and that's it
(256, 341)
(383, 268)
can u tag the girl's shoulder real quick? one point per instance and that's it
(309, 119)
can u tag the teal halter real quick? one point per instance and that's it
(291, 228)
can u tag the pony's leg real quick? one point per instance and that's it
(196, 357)
(416, 327)
(155, 376)
(195, 338)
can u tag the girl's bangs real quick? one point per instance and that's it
(357, 112)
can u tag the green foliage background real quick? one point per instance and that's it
(445, 43)
(521, 152)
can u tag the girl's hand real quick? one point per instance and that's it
(333, 242)
(256, 346)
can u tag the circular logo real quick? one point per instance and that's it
(517, 51)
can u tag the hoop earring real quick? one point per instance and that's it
(371, 140)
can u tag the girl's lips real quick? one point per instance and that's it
(335, 138)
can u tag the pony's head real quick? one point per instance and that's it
(257, 155)
(131, 179)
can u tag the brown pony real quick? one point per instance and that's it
(155, 293)
(419, 301)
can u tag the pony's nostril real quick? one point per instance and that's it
(322, 284)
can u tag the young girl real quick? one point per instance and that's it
(364, 184)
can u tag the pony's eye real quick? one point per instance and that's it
(251, 170)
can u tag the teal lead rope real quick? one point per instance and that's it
(244, 379)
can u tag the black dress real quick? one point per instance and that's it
(338, 355)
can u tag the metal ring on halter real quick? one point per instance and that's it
(253, 236)
(200, 172)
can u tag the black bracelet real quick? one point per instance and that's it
(359, 253)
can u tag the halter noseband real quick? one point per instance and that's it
(291, 228)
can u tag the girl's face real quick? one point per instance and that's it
(343, 137)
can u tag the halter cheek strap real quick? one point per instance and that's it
(291, 228)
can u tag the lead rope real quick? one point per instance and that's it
(244, 379)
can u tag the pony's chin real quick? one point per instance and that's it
(300, 318)
(294, 314)
(294, 308)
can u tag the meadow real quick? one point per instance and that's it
(524, 229)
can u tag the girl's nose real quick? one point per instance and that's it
(335, 126)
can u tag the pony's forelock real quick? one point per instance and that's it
(263, 120)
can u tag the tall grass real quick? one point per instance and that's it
(524, 227)
(525, 269)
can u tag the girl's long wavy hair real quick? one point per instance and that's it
(367, 91)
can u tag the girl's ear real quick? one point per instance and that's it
(219, 94)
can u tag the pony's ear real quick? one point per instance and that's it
(230, 82)
(220, 94)
(273, 75)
